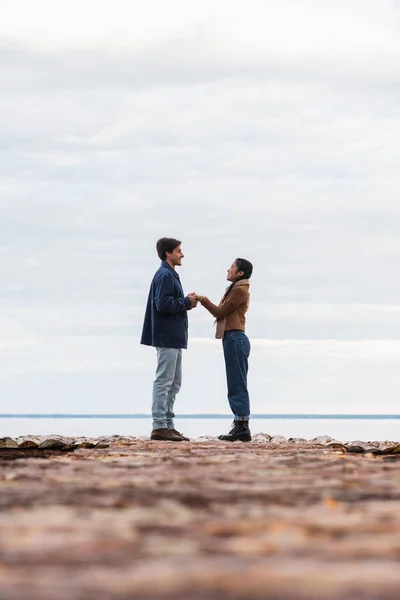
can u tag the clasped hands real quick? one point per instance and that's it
(194, 299)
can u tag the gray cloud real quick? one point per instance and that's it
(239, 141)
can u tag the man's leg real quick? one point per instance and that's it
(165, 376)
(176, 386)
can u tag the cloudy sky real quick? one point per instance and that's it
(263, 129)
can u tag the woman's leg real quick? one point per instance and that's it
(236, 347)
(236, 352)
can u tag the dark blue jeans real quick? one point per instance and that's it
(236, 352)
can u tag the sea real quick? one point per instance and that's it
(340, 427)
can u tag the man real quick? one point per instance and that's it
(166, 328)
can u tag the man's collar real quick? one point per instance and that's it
(165, 264)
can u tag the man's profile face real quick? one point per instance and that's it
(175, 257)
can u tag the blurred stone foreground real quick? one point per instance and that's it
(126, 518)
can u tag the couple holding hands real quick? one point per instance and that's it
(166, 328)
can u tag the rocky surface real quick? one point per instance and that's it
(130, 518)
(63, 443)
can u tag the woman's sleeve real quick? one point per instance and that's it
(235, 299)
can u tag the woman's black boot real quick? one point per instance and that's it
(240, 431)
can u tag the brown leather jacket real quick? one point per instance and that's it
(231, 313)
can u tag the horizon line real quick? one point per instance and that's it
(198, 416)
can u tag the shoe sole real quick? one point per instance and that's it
(159, 438)
(241, 439)
(185, 439)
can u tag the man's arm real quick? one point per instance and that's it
(235, 299)
(165, 299)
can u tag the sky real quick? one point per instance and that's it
(266, 130)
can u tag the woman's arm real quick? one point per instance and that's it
(235, 299)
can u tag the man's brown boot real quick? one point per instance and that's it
(175, 432)
(165, 435)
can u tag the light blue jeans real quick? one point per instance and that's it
(166, 385)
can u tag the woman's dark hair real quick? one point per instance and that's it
(242, 265)
(165, 245)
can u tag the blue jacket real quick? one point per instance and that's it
(166, 322)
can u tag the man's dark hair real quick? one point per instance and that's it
(165, 245)
(244, 265)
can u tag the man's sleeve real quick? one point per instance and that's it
(165, 299)
(235, 299)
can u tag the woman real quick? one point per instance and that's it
(231, 321)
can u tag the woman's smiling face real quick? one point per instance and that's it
(234, 273)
